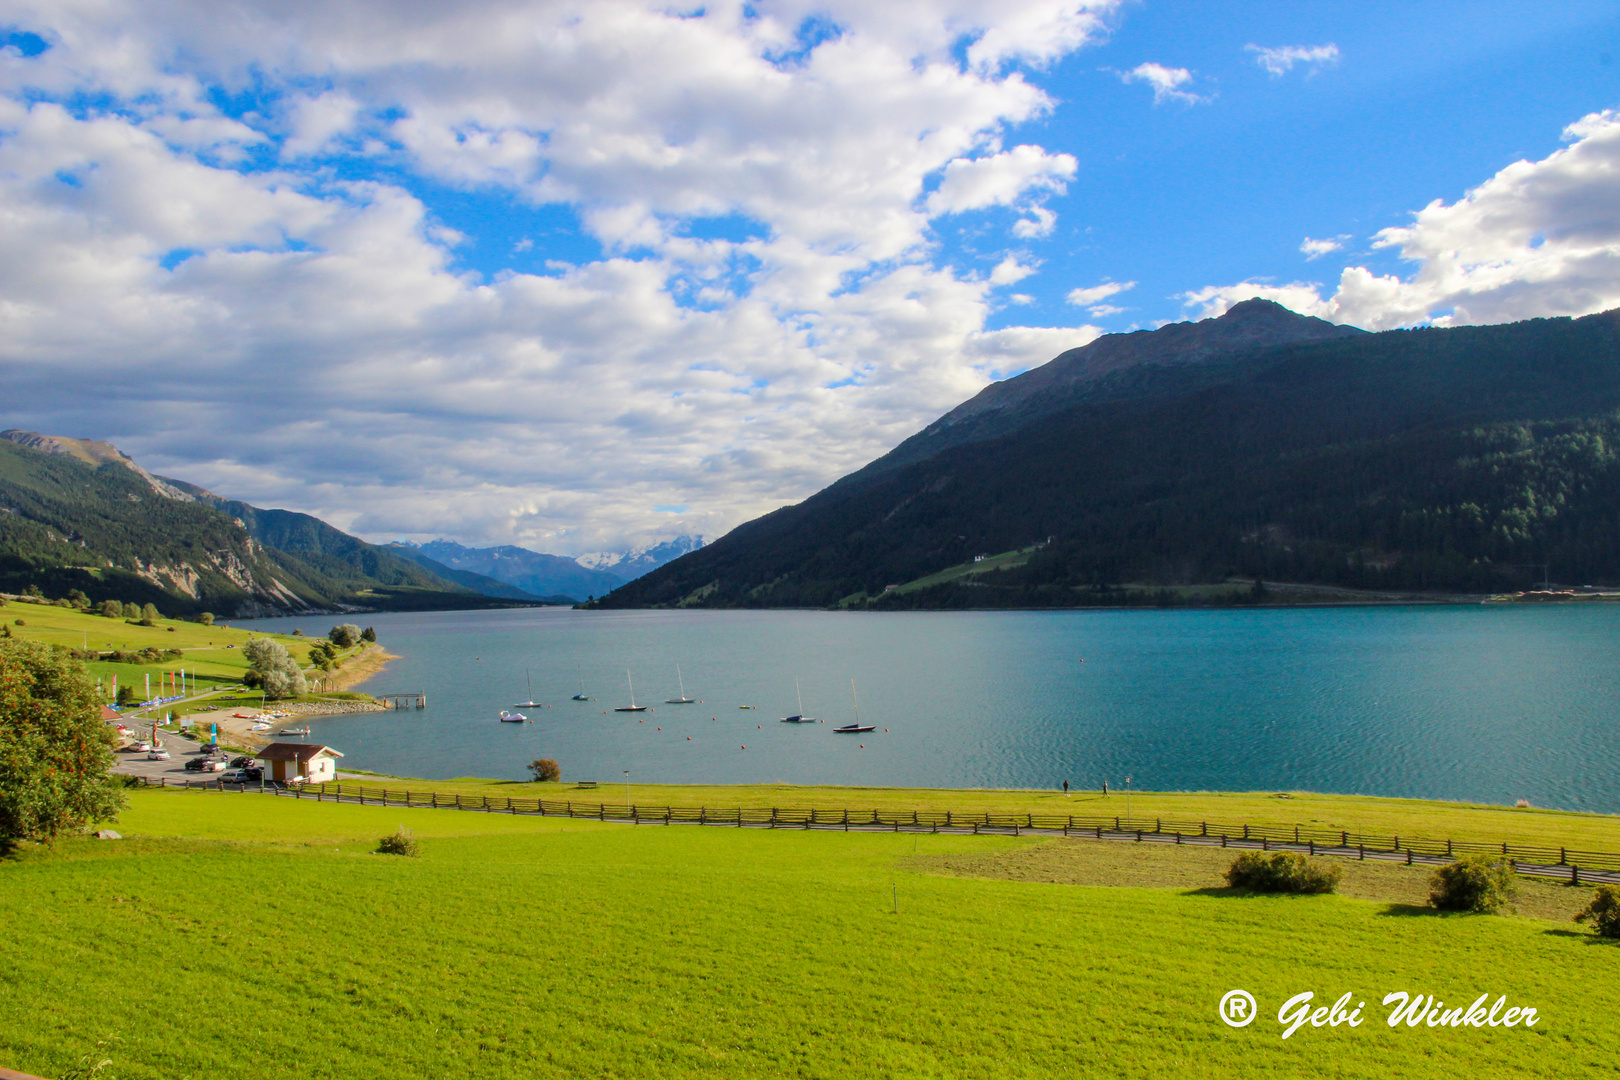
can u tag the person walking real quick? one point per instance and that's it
(1065, 789)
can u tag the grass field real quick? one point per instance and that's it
(1354, 813)
(237, 934)
(212, 653)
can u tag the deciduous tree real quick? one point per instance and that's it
(55, 752)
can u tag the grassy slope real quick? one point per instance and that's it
(1363, 813)
(546, 948)
(205, 647)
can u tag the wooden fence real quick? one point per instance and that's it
(1571, 863)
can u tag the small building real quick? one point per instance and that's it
(286, 760)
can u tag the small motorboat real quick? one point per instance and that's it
(293, 731)
(513, 717)
(683, 699)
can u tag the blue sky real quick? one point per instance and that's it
(586, 275)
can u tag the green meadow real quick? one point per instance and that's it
(213, 654)
(238, 934)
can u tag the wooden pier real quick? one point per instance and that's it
(403, 701)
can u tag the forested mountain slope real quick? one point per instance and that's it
(77, 514)
(1445, 459)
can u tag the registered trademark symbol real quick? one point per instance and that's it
(1237, 1008)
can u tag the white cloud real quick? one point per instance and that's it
(1000, 179)
(1037, 225)
(1010, 270)
(1315, 249)
(1540, 238)
(1167, 82)
(1281, 60)
(1098, 293)
(149, 284)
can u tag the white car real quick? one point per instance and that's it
(214, 766)
(157, 754)
(140, 747)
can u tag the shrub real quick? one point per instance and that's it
(403, 842)
(1604, 911)
(1282, 872)
(132, 611)
(368, 634)
(1479, 883)
(545, 770)
(206, 618)
(112, 609)
(19, 622)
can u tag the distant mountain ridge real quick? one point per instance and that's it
(1459, 459)
(629, 565)
(80, 514)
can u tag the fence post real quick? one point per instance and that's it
(1296, 834)
(1223, 839)
(1574, 875)
(1313, 847)
(1448, 849)
(1361, 852)
(1563, 856)
(1265, 845)
(1408, 856)
(1203, 829)
(1245, 832)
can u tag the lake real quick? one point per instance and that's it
(1492, 704)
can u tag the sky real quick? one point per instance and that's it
(583, 276)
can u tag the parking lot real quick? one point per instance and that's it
(181, 750)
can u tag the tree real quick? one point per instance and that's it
(206, 618)
(545, 770)
(150, 612)
(277, 671)
(132, 610)
(345, 636)
(112, 609)
(77, 598)
(368, 634)
(55, 753)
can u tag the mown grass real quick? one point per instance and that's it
(1474, 822)
(232, 929)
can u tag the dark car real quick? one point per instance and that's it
(195, 764)
(241, 762)
(252, 774)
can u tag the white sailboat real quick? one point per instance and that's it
(798, 717)
(531, 703)
(683, 699)
(632, 707)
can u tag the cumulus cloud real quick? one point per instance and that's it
(1281, 60)
(1167, 82)
(155, 274)
(1037, 225)
(1540, 238)
(1315, 249)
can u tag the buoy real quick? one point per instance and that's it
(660, 729)
(863, 746)
(885, 729)
(760, 726)
(689, 738)
(745, 748)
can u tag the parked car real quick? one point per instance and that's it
(241, 762)
(252, 774)
(195, 764)
(140, 747)
(157, 754)
(214, 765)
(234, 776)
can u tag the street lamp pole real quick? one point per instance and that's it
(1127, 798)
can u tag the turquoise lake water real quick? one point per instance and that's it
(1479, 703)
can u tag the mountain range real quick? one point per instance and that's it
(1260, 444)
(550, 575)
(80, 514)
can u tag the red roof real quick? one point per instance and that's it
(110, 714)
(293, 751)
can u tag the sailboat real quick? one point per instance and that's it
(851, 729)
(798, 717)
(581, 695)
(531, 703)
(632, 707)
(683, 699)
